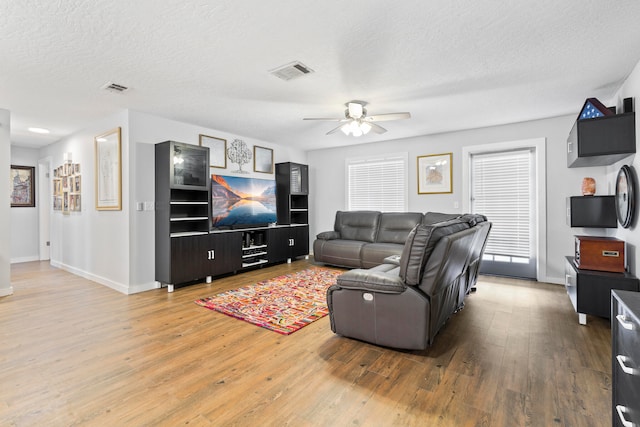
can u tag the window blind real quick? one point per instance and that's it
(501, 189)
(377, 184)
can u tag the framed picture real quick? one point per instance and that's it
(108, 171)
(23, 190)
(217, 150)
(262, 159)
(434, 174)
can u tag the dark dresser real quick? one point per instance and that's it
(625, 349)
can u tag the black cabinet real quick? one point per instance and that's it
(292, 193)
(182, 193)
(601, 141)
(592, 211)
(590, 291)
(625, 346)
(224, 256)
(286, 243)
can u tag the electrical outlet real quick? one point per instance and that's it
(456, 205)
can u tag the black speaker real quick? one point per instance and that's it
(628, 105)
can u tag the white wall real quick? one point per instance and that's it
(5, 207)
(327, 176)
(24, 220)
(91, 243)
(630, 89)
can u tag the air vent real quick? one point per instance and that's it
(114, 87)
(291, 71)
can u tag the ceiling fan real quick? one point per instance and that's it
(356, 121)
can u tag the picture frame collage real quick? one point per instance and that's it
(67, 188)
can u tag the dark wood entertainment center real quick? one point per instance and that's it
(187, 250)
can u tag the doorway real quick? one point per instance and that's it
(44, 209)
(506, 182)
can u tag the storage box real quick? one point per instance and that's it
(600, 254)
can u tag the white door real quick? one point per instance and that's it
(503, 187)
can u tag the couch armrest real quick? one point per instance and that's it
(328, 235)
(392, 259)
(371, 280)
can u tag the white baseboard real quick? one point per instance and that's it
(24, 259)
(5, 292)
(98, 279)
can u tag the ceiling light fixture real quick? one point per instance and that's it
(356, 128)
(39, 130)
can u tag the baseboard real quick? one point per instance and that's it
(98, 279)
(554, 280)
(5, 292)
(24, 259)
(142, 288)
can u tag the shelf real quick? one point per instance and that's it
(189, 233)
(188, 203)
(254, 247)
(254, 255)
(251, 264)
(194, 218)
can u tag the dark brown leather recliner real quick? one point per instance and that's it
(404, 302)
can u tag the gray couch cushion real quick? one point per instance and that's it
(373, 254)
(395, 226)
(357, 225)
(420, 243)
(345, 253)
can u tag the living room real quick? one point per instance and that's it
(115, 248)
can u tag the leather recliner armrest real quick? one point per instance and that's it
(371, 280)
(392, 259)
(328, 235)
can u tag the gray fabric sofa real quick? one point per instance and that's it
(363, 239)
(406, 300)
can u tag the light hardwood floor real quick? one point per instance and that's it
(77, 353)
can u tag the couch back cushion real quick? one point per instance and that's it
(435, 217)
(357, 225)
(420, 243)
(395, 227)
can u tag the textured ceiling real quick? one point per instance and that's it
(453, 65)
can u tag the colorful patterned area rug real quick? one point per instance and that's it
(284, 304)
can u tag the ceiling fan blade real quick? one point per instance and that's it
(334, 130)
(377, 128)
(325, 119)
(387, 117)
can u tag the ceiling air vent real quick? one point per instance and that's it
(291, 71)
(114, 87)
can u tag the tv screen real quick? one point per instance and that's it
(241, 201)
(593, 211)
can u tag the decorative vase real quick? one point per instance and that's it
(588, 186)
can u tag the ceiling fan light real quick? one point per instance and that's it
(365, 127)
(355, 110)
(345, 128)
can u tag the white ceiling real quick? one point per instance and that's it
(453, 65)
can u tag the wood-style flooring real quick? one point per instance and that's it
(74, 352)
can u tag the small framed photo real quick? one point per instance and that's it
(23, 190)
(434, 174)
(262, 159)
(217, 150)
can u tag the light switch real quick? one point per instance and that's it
(148, 206)
(139, 206)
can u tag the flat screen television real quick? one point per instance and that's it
(592, 211)
(238, 201)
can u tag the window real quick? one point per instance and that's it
(377, 183)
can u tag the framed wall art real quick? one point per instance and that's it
(262, 159)
(434, 174)
(108, 169)
(217, 150)
(23, 191)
